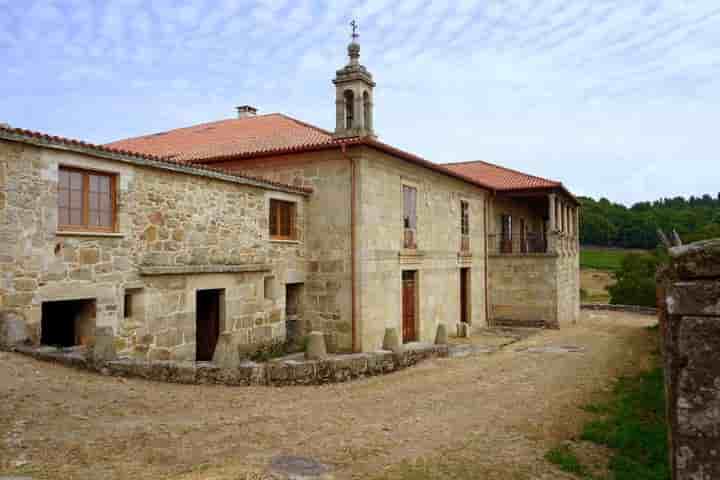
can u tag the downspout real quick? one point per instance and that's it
(487, 265)
(353, 295)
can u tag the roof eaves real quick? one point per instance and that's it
(79, 146)
(500, 167)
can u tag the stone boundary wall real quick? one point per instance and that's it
(620, 308)
(689, 296)
(278, 373)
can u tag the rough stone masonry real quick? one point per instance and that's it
(689, 297)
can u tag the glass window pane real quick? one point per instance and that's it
(94, 180)
(94, 201)
(64, 198)
(105, 203)
(76, 217)
(63, 216)
(76, 199)
(76, 180)
(104, 184)
(105, 219)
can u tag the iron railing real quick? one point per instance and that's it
(517, 244)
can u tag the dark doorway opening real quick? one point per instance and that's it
(67, 323)
(409, 306)
(465, 295)
(209, 310)
(293, 312)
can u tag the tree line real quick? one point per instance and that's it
(604, 223)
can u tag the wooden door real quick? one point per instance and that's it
(523, 236)
(207, 324)
(464, 295)
(409, 303)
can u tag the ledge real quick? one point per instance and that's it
(195, 269)
(523, 255)
(411, 255)
(68, 233)
(619, 308)
(291, 242)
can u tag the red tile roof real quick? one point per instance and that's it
(276, 134)
(151, 160)
(501, 178)
(226, 138)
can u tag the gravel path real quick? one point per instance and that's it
(57, 422)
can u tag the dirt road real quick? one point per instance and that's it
(60, 423)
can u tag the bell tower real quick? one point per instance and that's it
(353, 95)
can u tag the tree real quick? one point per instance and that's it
(635, 281)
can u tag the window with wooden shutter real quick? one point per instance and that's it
(282, 220)
(86, 200)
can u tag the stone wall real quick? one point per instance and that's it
(177, 233)
(523, 289)
(568, 288)
(533, 289)
(437, 259)
(689, 298)
(326, 300)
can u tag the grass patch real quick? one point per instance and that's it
(602, 259)
(632, 424)
(635, 427)
(567, 461)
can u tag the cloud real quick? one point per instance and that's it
(548, 86)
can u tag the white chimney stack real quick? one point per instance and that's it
(245, 111)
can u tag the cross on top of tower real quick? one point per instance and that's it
(354, 26)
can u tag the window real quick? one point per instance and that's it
(282, 220)
(409, 216)
(86, 200)
(349, 109)
(367, 111)
(464, 226)
(506, 234)
(127, 306)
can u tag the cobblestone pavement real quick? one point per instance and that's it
(513, 404)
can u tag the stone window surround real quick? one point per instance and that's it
(286, 197)
(406, 182)
(91, 165)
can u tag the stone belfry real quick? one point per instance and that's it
(353, 95)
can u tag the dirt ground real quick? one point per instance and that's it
(509, 407)
(595, 283)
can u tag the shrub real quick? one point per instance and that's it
(635, 283)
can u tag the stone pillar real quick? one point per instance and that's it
(552, 224)
(689, 300)
(359, 118)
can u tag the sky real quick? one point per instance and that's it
(617, 99)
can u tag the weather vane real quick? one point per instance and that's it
(354, 26)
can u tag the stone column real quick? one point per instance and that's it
(359, 119)
(552, 224)
(689, 300)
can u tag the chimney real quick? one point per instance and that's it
(245, 111)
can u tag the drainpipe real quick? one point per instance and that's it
(354, 308)
(487, 265)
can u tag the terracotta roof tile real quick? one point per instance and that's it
(225, 138)
(153, 159)
(500, 178)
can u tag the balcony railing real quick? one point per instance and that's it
(531, 243)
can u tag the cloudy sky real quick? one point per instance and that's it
(615, 98)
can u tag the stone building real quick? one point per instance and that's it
(268, 227)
